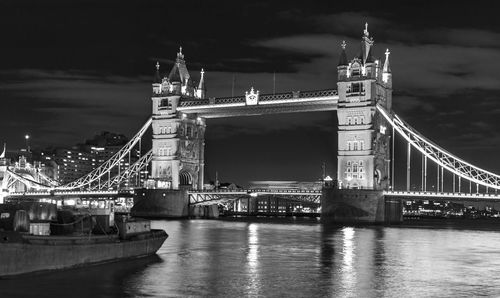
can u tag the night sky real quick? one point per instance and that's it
(70, 69)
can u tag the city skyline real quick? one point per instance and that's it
(66, 78)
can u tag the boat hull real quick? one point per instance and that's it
(23, 254)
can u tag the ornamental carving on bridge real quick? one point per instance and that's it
(252, 97)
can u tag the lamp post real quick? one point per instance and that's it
(27, 138)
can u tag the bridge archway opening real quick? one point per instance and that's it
(185, 178)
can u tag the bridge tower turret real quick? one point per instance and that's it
(178, 139)
(363, 136)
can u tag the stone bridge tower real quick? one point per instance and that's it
(363, 136)
(178, 139)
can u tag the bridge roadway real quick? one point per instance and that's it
(76, 193)
(290, 102)
(213, 196)
(456, 196)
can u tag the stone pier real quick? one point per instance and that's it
(359, 206)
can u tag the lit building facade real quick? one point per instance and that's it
(363, 138)
(178, 139)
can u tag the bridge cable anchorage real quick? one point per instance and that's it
(26, 181)
(140, 164)
(439, 155)
(105, 168)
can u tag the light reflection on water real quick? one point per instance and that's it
(290, 258)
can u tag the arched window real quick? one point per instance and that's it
(361, 145)
(355, 145)
(349, 120)
(169, 129)
(185, 178)
(348, 145)
(355, 167)
(355, 120)
(362, 118)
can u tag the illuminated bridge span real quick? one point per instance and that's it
(439, 196)
(254, 104)
(367, 132)
(224, 195)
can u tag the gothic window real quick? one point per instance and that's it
(355, 168)
(356, 72)
(169, 151)
(161, 151)
(355, 145)
(360, 175)
(355, 175)
(188, 133)
(361, 169)
(169, 129)
(349, 120)
(356, 87)
(349, 163)
(362, 119)
(360, 163)
(355, 120)
(361, 145)
(348, 145)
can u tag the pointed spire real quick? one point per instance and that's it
(201, 85)
(387, 67)
(369, 57)
(366, 44)
(179, 72)
(343, 56)
(4, 150)
(157, 78)
(180, 55)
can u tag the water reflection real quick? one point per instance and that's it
(289, 258)
(253, 260)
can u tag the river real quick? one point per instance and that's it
(292, 258)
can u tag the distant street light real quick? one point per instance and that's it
(27, 137)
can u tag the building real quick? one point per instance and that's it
(363, 139)
(178, 139)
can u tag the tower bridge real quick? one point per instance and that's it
(364, 188)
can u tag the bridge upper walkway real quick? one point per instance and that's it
(289, 102)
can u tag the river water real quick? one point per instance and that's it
(292, 258)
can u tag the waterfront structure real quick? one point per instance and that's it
(363, 139)
(364, 188)
(178, 139)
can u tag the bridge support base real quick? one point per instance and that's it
(160, 203)
(359, 206)
(204, 211)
